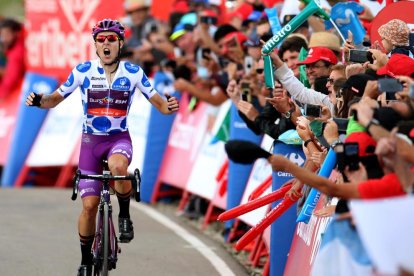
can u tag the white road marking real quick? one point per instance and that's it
(221, 267)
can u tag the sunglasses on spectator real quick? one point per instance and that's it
(259, 70)
(102, 38)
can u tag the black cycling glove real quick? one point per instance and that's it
(36, 99)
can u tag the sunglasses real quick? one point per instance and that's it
(102, 38)
(259, 70)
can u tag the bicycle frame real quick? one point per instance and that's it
(105, 245)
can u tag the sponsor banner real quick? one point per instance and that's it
(138, 121)
(186, 138)
(59, 32)
(307, 240)
(59, 135)
(202, 180)
(260, 172)
(8, 115)
(27, 126)
(396, 10)
(238, 173)
(282, 229)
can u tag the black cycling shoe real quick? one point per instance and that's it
(85, 270)
(126, 230)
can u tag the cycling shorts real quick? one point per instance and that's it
(94, 149)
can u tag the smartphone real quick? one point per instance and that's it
(342, 124)
(246, 94)
(312, 110)
(411, 91)
(208, 20)
(360, 56)
(205, 53)
(389, 85)
(248, 65)
(351, 156)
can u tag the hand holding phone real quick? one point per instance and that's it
(360, 56)
(311, 110)
(246, 94)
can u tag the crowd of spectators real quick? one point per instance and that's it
(215, 55)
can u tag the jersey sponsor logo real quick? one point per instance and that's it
(122, 84)
(105, 102)
(98, 86)
(145, 82)
(98, 78)
(131, 68)
(83, 67)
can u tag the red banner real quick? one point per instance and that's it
(59, 32)
(8, 115)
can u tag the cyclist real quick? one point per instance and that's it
(107, 86)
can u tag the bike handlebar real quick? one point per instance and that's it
(135, 181)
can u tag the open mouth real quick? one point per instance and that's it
(106, 52)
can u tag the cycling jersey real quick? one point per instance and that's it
(106, 105)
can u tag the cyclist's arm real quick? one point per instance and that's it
(159, 103)
(51, 100)
(46, 101)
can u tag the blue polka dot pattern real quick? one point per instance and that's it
(145, 82)
(101, 123)
(131, 68)
(101, 70)
(86, 83)
(84, 67)
(70, 80)
(123, 123)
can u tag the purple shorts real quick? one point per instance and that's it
(94, 149)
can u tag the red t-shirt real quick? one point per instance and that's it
(387, 186)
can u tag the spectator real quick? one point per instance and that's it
(395, 37)
(12, 40)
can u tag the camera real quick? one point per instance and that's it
(208, 20)
(360, 56)
(342, 124)
(312, 110)
(347, 155)
(246, 94)
(248, 65)
(390, 86)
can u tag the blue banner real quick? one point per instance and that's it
(313, 197)
(238, 173)
(28, 123)
(283, 228)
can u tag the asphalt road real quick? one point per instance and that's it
(38, 236)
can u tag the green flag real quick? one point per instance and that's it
(302, 68)
(221, 128)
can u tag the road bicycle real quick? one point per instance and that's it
(105, 245)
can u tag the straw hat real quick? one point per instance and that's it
(325, 39)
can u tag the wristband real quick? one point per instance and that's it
(307, 142)
(372, 122)
(36, 100)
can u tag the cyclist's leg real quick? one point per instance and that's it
(119, 157)
(89, 163)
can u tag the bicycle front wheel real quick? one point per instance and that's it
(105, 240)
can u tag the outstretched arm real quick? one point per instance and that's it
(44, 101)
(324, 185)
(166, 107)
